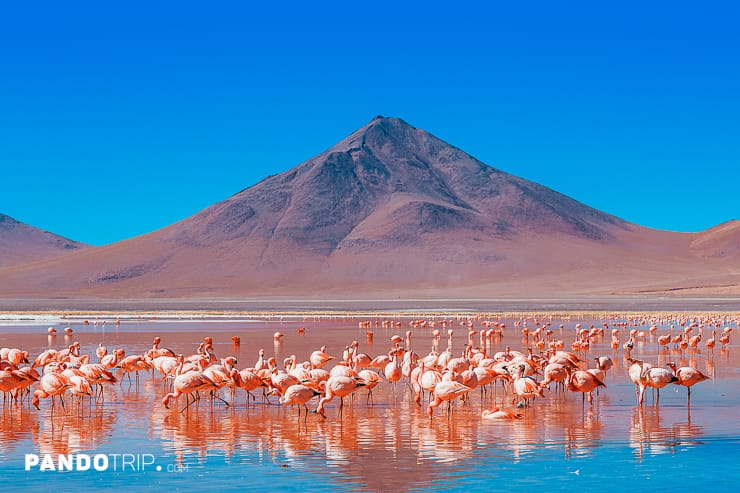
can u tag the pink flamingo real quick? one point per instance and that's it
(298, 394)
(687, 376)
(446, 391)
(500, 414)
(585, 382)
(50, 385)
(341, 387)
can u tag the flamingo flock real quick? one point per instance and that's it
(440, 377)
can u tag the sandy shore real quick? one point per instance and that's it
(310, 305)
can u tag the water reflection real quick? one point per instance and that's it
(390, 445)
(53, 433)
(648, 435)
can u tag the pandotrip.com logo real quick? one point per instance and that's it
(134, 463)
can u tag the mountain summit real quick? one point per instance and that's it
(389, 209)
(410, 181)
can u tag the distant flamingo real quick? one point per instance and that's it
(709, 343)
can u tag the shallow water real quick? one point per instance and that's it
(386, 445)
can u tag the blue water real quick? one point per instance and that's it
(559, 445)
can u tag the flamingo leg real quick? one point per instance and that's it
(189, 402)
(219, 398)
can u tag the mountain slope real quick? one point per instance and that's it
(722, 241)
(21, 243)
(390, 210)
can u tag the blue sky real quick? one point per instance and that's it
(118, 120)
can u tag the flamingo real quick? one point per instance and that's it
(282, 381)
(393, 371)
(98, 374)
(50, 385)
(187, 383)
(339, 386)
(11, 379)
(80, 386)
(585, 382)
(16, 356)
(724, 339)
(101, 351)
(687, 376)
(428, 380)
(246, 379)
(664, 340)
(261, 362)
(371, 380)
(709, 343)
(656, 378)
(29, 375)
(526, 387)
(298, 394)
(44, 358)
(554, 372)
(500, 414)
(319, 358)
(111, 360)
(635, 373)
(446, 391)
(134, 363)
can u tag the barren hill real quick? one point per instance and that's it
(21, 243)
(390, 210)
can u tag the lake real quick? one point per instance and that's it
(389, 443)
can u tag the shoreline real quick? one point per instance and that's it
(219, 307)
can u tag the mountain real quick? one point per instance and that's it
(21, 243)
(389, 211)
(721, 241)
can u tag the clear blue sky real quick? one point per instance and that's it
(117, 120)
